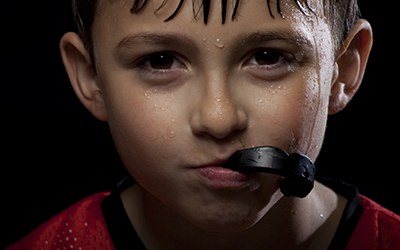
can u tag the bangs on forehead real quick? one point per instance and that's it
(302, 5)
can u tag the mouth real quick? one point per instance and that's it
(218, 177)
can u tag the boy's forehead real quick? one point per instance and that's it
(252, 17)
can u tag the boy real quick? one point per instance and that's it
(184, 85)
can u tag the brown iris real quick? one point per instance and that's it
(161, 60)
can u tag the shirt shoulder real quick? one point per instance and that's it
(378, 228)
(78, 227)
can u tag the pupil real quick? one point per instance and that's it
(267, 57)
(161, 61)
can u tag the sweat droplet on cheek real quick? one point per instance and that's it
(171, 134)
(270, 93)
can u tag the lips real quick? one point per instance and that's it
(219, 177)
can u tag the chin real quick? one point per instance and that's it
(229, 224)
(233, 217)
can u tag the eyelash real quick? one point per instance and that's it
(145, 67)
(282, 64)
(284, 59)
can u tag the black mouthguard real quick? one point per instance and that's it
(297, 169)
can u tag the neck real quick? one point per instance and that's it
(307, 223)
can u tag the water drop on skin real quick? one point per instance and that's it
(259, 153)
(164, 107)
(291, 68)
(220, 115)
(276, 137)
(171, 134)
(218, 43)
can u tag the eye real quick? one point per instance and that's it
(270, 64)
(160, 67)
(268, 57)
(162, 60)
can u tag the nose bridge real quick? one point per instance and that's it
(218, 101)
(218, 113)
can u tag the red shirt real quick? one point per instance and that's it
(377, 228)
(82, 226)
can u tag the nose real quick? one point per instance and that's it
(217, 113)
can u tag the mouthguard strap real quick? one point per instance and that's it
(297, 169)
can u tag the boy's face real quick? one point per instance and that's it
(182, 96)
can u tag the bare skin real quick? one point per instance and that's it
(215, 89)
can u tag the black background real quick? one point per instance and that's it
(53, 152)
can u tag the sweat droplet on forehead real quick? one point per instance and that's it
(218, 43)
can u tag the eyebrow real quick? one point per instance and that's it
(241, 42)
(155, 39)
(256, 37)
(262, 37)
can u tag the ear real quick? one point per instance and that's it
(82, 75)
(350, 65)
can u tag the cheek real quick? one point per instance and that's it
(312, 113)
(144, 128)
(130, 122)
(289, 115)
(312, 118)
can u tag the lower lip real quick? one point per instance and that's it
(223, 178)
